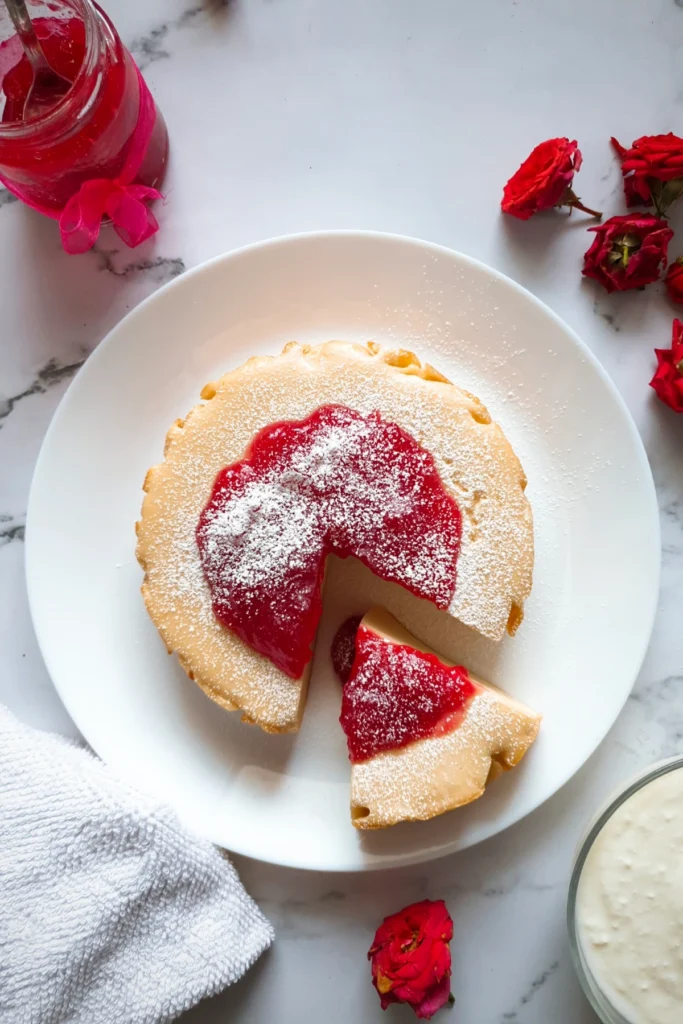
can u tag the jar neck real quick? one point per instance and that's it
(102, 46)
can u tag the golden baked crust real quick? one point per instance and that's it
(475, 461)
(431, 776)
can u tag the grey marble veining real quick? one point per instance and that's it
(160, 269)
(11, 528)
(47, 376)
(530, 992)
(156, 43)
(292, 115)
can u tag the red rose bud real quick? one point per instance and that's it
(652, 170)
(668, 378)
(628, 252)
(674, 280)
(544, 180)
(411, 958)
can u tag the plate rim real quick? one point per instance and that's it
(647, 483)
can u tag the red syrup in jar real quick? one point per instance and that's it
(91, 130)
(63, 44)
(338, 482)
(395, 695)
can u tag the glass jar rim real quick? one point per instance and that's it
(91, 16)
(589, 983)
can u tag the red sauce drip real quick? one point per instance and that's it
(343, 650)
(396, 695)
(337, 483)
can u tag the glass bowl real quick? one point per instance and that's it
(590, 984)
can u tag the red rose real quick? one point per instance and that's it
(668, 378)
(674, 280)
(652, 170)
(411, 958)
(628, 251)
(544, 180)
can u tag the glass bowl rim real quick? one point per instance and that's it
(599, 1001)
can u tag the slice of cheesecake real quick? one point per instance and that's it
(424, 735)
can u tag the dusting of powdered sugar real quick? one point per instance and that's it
(396, 695)
(337, 482)
(269, 530)
(439, 773)
(496, 541)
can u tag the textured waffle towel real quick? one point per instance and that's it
(110, 911)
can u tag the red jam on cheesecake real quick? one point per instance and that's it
(396, 694)
(338, 482)
(336, 448)
(424, 736)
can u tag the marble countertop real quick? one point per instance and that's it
(403, 116)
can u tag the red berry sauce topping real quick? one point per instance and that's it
(338, 482)
(396, 695)
(343, 649)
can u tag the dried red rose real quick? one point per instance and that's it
(652, 170)
(668, 378)
(411, 958)
(628, 251)
(544, 180)
(674, 280)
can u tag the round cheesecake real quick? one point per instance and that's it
(335, 448)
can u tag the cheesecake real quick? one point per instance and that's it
(424, 735)
(337, 448)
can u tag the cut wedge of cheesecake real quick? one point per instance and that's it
(219, 521)
(425, 736)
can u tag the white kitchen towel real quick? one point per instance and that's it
(110, 911)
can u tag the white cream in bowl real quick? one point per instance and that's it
(629, 904)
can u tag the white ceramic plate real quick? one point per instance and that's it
(285, 798)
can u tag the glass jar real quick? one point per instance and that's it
(94, 131)
(597, 988)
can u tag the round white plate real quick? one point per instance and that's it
(285, 798)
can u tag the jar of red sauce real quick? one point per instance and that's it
(100, 153)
